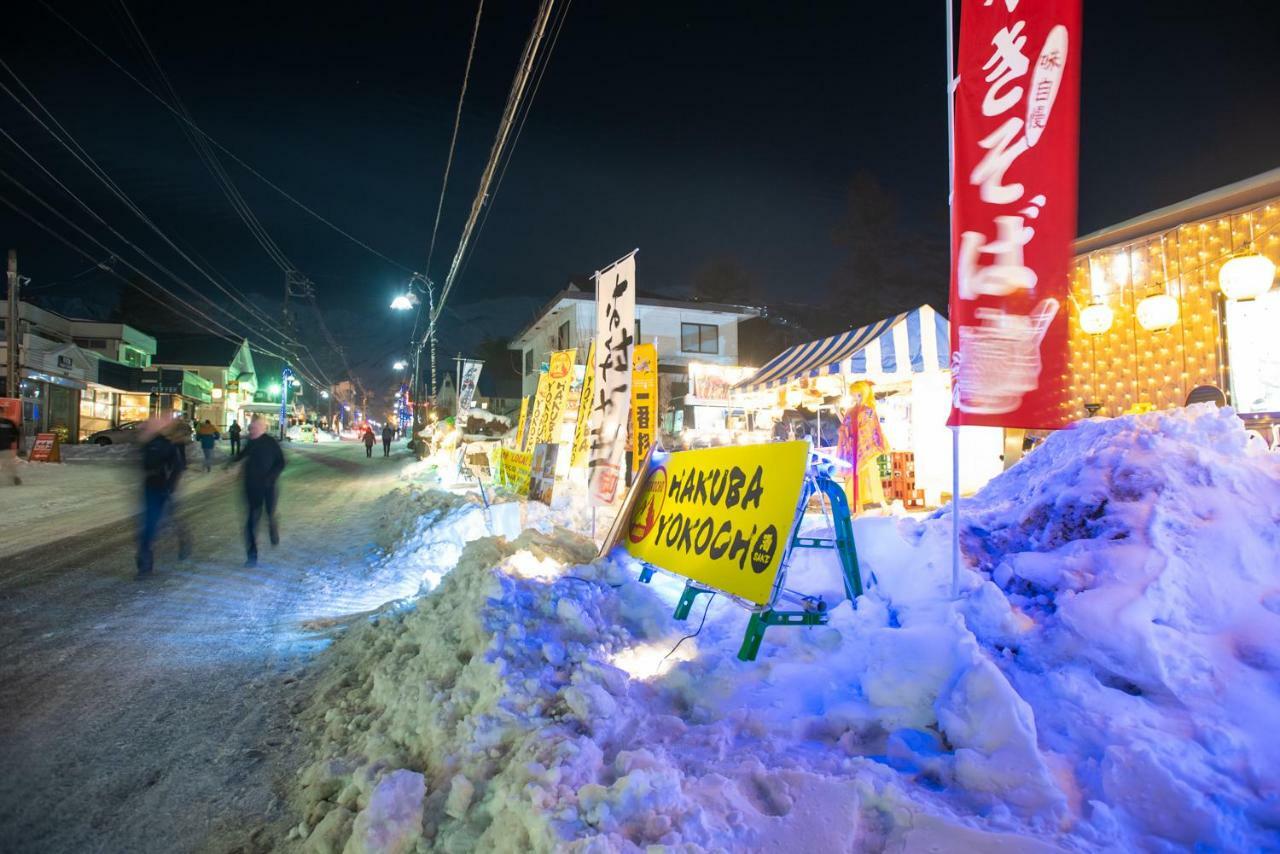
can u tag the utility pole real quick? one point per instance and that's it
(13, 330)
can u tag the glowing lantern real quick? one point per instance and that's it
(1097, 318)
(1246, 277)
(1157, 313)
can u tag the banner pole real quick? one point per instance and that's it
(951, 170)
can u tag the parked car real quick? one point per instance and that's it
(122, 435)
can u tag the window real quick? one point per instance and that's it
(528, 361)
(700, 338)
(562, 336)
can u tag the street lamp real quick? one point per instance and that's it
(405, 302)
(399, 365)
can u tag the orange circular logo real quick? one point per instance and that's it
(645, 517)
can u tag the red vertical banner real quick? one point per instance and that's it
(1013, 210)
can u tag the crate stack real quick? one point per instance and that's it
(900, 485)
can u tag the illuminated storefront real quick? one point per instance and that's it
(1155, 319)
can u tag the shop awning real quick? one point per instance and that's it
(911, 342)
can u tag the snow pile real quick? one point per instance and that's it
(1105, 680)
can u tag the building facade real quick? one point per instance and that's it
(1151, 324)
(227, 367)
(683, 331)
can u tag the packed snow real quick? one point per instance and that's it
(1107, 678)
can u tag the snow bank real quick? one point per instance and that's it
(1106, 680)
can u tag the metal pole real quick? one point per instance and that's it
(431, 333)
(457, 388)
(951, 169)
(13, 331)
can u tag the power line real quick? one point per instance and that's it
(518, 85)
(222, 148)
(453, 140)
(528, 108)
(87, 161)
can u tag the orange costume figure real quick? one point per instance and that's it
(860, 443)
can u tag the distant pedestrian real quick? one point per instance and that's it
(163, 462)
(263, 462)
(208, 437)
(233, 433)
(388, 433)
(10, 445)
(368, 438)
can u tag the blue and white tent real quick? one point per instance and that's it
(894, 348)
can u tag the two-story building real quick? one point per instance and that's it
(227, 366)
(52, 372)
(685, 332)
(113, 393)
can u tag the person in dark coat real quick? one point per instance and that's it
(263, 461)
(233, 434)
(10, 444)
(388, 433)
(163, 462)
(368, 438)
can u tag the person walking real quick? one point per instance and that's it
(208, 437)
(263, 461)
(368, 439)
(233, 433)
(163, 462)
(10, 446)
(388, 433)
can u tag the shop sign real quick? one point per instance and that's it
(711, 383)
(615, 320)
(1013, 212)
(46, 449)
(537, 415)
(512, 470)
(720, 516)
(522, 424)
(542, 472)
(559, 379)
(470, 379)
(581, 431)
(66, 363)
(644, 402)
(233, 386)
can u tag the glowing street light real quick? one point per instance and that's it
(274, 389)
(405, 302)
(399, 365)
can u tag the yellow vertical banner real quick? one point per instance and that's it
(559, 377)
(644, 402)
(534, 427)
(583, 428)
(523, 424)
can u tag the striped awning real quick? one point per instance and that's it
(911, 342)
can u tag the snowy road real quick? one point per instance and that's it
(155, 715)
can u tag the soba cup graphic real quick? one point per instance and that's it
(1000, 360)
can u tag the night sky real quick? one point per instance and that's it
(705, 133)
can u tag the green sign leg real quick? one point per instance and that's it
(751, 640)
(686, 601)
(646, 575)
(844, 537)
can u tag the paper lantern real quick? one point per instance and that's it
(1246, 277)
(1097, 318)
(1157, 313)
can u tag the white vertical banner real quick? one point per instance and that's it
(470, 379)
(611, 408)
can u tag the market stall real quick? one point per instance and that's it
(808, 391)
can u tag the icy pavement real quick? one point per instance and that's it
(155, 716)
(1106, 681)
(95, 488)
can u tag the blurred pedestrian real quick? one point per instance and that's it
(388, 433)
(263, 462)
(368, 438)
(233, 433)
(163, 462)
(10, 446)
(208, 437)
